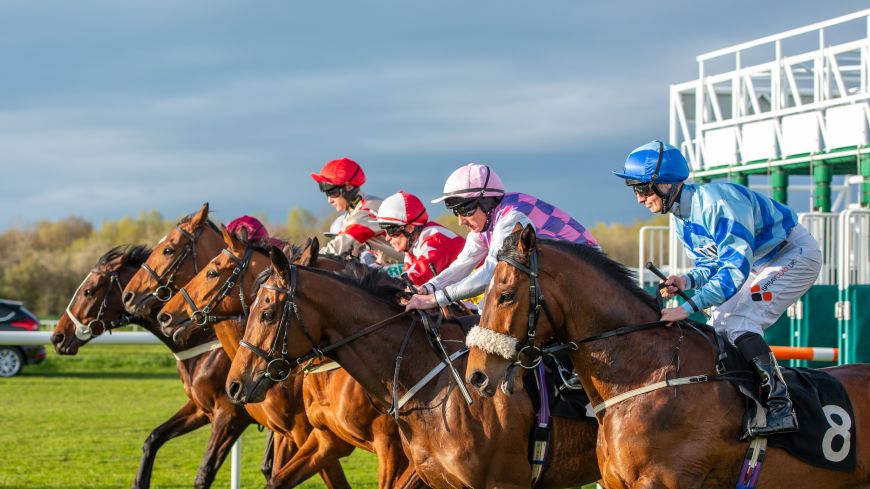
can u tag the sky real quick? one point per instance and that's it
(111, 108)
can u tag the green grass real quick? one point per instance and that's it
(79, 422)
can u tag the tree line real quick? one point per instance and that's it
(43, 264)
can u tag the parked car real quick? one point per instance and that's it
(15, 317)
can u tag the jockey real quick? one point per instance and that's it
(255, 229)
(340, 180)
(477, 197)
(428, 246)
(752, 261)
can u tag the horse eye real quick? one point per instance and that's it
(506, 297)
(266, 316)
(211, 274)
(89, 292)
(168, 250)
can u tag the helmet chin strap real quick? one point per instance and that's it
(668, 198)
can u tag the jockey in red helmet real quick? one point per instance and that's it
(428, 246)
(341, 180)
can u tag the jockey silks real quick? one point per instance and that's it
(358, 229)
(550, 222)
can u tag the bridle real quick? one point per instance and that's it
(279, 365)
(202, 317)
(164, 292)
(536, 303)
(98, 326)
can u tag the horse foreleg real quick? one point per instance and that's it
(187, 419)
(283, 450)
(392, 463)
(268, 456)
(319, 453)
(227, 425)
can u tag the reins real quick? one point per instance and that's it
(537, 299)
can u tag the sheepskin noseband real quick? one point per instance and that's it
(489, 341)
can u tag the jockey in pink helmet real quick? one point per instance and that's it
(341, 180)
(428, 246)
(477, 197)
(254, 230)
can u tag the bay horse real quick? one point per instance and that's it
(96, 308)
(451, 443)
(658, 439)
(336, 406)
(176, 259)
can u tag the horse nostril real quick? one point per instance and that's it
(128, 298)
(234, 388)
(57, 338)
(478, 379)
(164, 319)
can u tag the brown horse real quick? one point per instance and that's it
(653, 440)
(336, 406)
(96, 308)
(174, 261)
(452, 444)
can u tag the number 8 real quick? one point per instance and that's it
(836, 429)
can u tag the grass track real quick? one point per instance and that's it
(79, 422)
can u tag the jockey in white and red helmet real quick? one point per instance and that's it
(428, 246)
(477, 197)
(341, 180)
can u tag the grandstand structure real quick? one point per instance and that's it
(796, 103)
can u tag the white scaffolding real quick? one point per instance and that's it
(788, 108)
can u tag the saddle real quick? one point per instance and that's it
(827, 430)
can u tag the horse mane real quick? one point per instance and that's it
(587, 254)
(380, 285)
(131, 256)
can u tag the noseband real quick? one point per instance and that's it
(280, 366)
(164, 292)
(201, 317)
(97, 326)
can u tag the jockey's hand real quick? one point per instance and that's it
(422, 302)
(674, 314)
(674, 284)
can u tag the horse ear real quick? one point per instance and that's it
(309, 254)
(243, 233)
(279, 259)
(200, 216)
(527, 239)
(229, 240)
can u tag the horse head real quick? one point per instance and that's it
(174, 260)
(270, 345)
(96, 305)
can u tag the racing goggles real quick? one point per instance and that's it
(465, 209)
(393, 229)
(330, 190)
(643, 189)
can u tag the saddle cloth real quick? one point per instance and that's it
(826, 436)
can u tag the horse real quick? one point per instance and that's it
(175, 260)
(336, 406)
(451, 443)
(686, 438)
(96, 308)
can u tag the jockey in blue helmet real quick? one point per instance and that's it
(752, 261)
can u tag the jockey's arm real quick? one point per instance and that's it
(474, 285)
(471, 255)
(717, 280)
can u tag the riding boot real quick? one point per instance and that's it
(780, 412)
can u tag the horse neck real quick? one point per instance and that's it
(370, 359)
(605, 366)
(229, 333)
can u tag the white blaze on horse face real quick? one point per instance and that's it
(82, 331)
(163, 239)
(494, 343)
